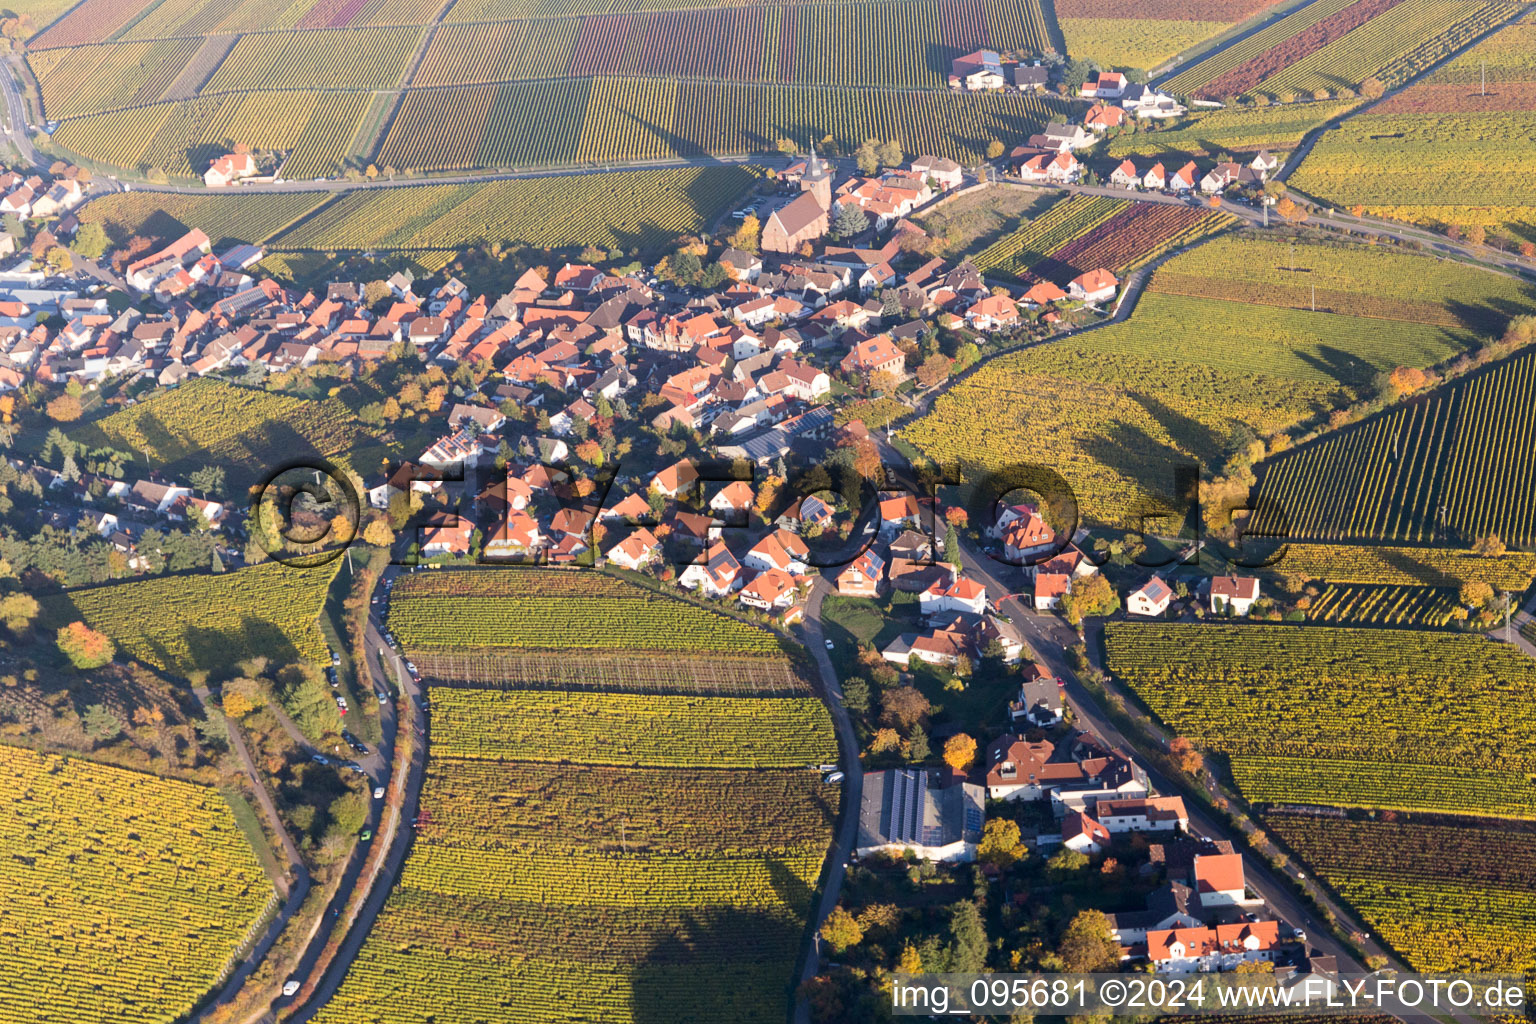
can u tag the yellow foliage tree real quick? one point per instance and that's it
(959, 751)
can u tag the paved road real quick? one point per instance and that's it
(810, 633)
(16, 112)
(1050, 637)
(397, 835)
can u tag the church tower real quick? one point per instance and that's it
(818, 180)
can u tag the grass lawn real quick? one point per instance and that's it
(980, 709)
(975, 221)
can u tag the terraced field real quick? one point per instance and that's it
(1470, 153)
(1187, 378)
(1446, 897)
(587, 855)
(1317, 715)
(126, 895)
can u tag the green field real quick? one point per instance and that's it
(1277, 127)
(1191, 378)
(1315, 714)
(126, 895)
(182, 623)
(633, 210)
(430, 612)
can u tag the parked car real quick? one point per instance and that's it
(378, 792)
(319, 759)
(291, 986)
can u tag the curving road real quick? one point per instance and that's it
(396, 835)
(1049, 637)
(811, 634)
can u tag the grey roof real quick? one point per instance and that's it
(904, 805)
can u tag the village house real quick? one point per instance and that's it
(1058, 168)
(908, 811)
(1082, 834)
(1031, 77)
(229, 168)
(862, 577)
(993, 313)
(1170, 906)
(1146, 814)
(1101, 117)
(1145, 101)
(942, 173)
(733, 501)
(1151, 598)
(1219, 177)
(963, 595)
(1233, 595)
(717, 575)
(1039, 702)
(1183, 180)
(769, 591)
(781, 550)
(1219, 880)
(677, 479)
(1106, 85)
(1018, 769)
(1025, 534)
(635, 551)
(1156, 178)
(1094, 286)
(940, 647)
(980, 70)
(516, 537)
(1125, 175)
(446, 534)
(875, 355)
(1222, 947)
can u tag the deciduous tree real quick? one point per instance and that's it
(84, 647)
(959, 751)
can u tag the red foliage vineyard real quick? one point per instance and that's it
(1282, 55)
(963, 24)
(1119, 241)
(1165, 10)
(91, 22)
(1461, 98)
(709, 43)
(332, 13)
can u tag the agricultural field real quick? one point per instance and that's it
(1444, 897)
(1366, 281)
(1446, 467)
(126, 895)
(168, 92)
(1184, 380)
(247, 431)
(1470, 152)
(314, 131)
(501, 612)
(1233, 130)
(1364, 604)
(88, 79)
(181, 623)
(228, 218)
(1409, 567)
(521, 124)
(629, 210)
(1089, 232)
(668, 731)
(1331, 45)
(590, 855)
(1449, 707)
(1128, 34)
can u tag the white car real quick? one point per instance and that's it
(378, 792)
(290, 986)
(829, 644)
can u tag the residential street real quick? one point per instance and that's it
(1050, 637)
